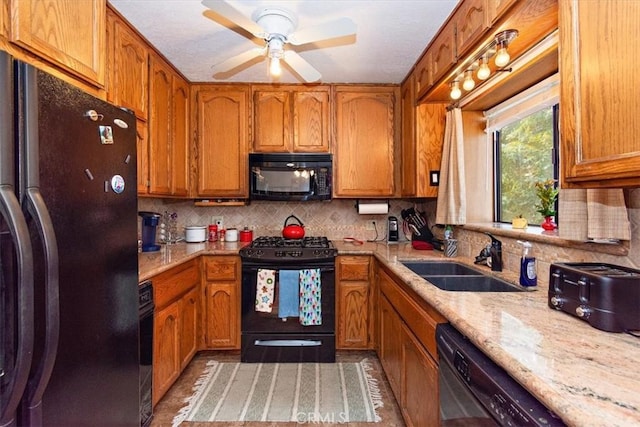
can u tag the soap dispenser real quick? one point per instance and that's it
(528, 275)
(496, 253)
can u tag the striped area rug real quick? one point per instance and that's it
(298, 392)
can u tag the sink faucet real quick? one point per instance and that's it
(495, 252)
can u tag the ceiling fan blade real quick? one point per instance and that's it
(301, 67)
(340, 28)
(229, 12)
(235, 61)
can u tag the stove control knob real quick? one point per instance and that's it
(259, 253)
(557, 302)
(583, 312)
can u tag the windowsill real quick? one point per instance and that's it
(537, 234)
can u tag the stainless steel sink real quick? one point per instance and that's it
(471, 284)
(457, 277)
(438, 268)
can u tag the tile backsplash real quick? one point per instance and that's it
(336, 219)
(339, 218)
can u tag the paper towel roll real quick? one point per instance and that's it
(380, 208)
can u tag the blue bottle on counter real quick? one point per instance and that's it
(528, 276)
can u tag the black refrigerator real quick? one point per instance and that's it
(68, 255)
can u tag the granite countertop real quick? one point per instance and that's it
(586, 376)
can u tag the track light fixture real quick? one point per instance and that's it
(496, 48)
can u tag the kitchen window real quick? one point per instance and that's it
(525, 137)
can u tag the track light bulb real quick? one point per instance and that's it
(502, 56)
(274, 67)
(456, 93)
(468, 82)
(483, 71)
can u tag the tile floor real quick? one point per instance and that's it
(173, 401)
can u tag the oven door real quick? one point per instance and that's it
(269, 338)
(261, 322)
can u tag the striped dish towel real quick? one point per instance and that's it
(310, 297)
(264, 290)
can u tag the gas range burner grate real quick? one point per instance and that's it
(281, 242)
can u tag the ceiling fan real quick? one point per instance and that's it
(277, 27)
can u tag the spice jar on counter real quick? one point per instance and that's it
(221, 234)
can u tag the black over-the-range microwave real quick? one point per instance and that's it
(290, 176)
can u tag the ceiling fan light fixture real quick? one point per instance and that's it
(275, 69)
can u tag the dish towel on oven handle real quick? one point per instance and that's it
(265, 284)
(310, 297)
(289, 293)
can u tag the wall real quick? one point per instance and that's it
(336, 219)
(472, 242)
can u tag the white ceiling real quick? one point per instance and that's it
(391, 35)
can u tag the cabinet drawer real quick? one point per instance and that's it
(221, 268)
(353, 268)
(170, 285)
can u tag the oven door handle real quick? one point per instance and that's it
(247, 269)
(287, 343)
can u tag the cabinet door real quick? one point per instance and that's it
(223, 141)
(142, 149)
(129, 68)
(188, 316)
(180, 137)
(441, 55)
(166, 350)
(430, 120)
(409, 161)
(471, 23)
(223, 314)
(598, 96)
(159, 128)
(497, 9)
(420, 403)
(391, 345)
(272, 121)
(353, 315)
(4, 20)
(311, 121)
(365, 142)
(69, 33)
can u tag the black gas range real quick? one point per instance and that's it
(274, 249)
(269, 335)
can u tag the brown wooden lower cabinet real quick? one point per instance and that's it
(420, 398)
(353, 303)
(221, 279)
(175, 324)
(406, 350)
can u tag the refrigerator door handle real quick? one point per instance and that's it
(19, 374)
(40, 378)
(36, 207)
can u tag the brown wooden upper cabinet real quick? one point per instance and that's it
(366, 120)
(69, 33)
(471, 22)
(222, 145)
(128, 58)
(168, 131)
(4, 20)
(291, 119)
(599, 123)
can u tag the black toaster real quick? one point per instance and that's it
(604, 295)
